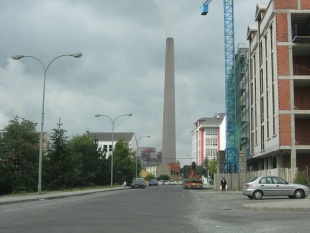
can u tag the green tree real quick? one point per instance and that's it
(61, 169)
(92, 162)
(124, 162)
(149, 177)
(212, 166)
(19, 157)
(302, 177)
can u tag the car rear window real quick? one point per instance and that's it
(251, 179)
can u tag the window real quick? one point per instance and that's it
(277, 180)
(265, 180)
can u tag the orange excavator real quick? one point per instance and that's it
(192, 178)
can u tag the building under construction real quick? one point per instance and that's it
(279, 82)
(272, 91)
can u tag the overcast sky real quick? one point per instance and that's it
(122, 67)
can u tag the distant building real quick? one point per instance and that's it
(175, 169)
(149, 156)
(172, 170)
(158, 170)
(208, 138)
(105, 139)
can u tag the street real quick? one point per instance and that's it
(167, 208)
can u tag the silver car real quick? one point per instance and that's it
(257, 187)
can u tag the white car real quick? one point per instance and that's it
(257, 187)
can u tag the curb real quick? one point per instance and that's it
(20, 199)
(284, 209)
(286, 206)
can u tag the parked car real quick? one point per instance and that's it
(257, 187)
(153, 182)
(180, 182)
(166, 182)
(138, 183)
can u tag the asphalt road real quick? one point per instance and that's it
(167, 208)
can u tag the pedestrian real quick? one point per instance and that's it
(223, 185)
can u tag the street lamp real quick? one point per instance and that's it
(17, 57)
(113, 122)
(137, 152)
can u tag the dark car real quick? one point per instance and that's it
(138, 183)
(153, 182)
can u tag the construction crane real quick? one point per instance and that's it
(231, 152)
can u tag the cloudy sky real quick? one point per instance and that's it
(122, 67)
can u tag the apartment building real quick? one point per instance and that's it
(279, 69)
(208, 138)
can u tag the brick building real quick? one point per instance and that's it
(279, 66)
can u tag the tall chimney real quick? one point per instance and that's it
(169, 141)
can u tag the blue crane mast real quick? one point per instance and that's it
(231, 152)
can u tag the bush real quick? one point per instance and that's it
(301, 178)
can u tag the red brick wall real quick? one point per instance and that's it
(302, 162)
(284, 94)
(285, 129)
(282, 29)
(283, 61)
(286, 4)
(305, 4)
(301, 65)
(302, 131)
(302, 98)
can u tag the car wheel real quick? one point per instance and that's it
(299, 194)
(250, 197)
(257, 195)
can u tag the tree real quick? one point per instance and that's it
(61, 169)
(19, 157)
(93, 164)
(149, 177)
(124, 162)
(212, 166)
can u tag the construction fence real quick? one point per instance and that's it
(235, 180)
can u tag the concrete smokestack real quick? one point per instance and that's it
(169, 141)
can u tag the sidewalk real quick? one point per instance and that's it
(35, 197)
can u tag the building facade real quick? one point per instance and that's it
(208, 138)
(105, 139)
(279, 79)
(158, 170)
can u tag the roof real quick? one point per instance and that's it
(260, 8)
(100, 136)
(215, 120)
(251, 29)
(174, 166)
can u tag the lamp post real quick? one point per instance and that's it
(113, 123)
(137, 141)
(45, 68)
